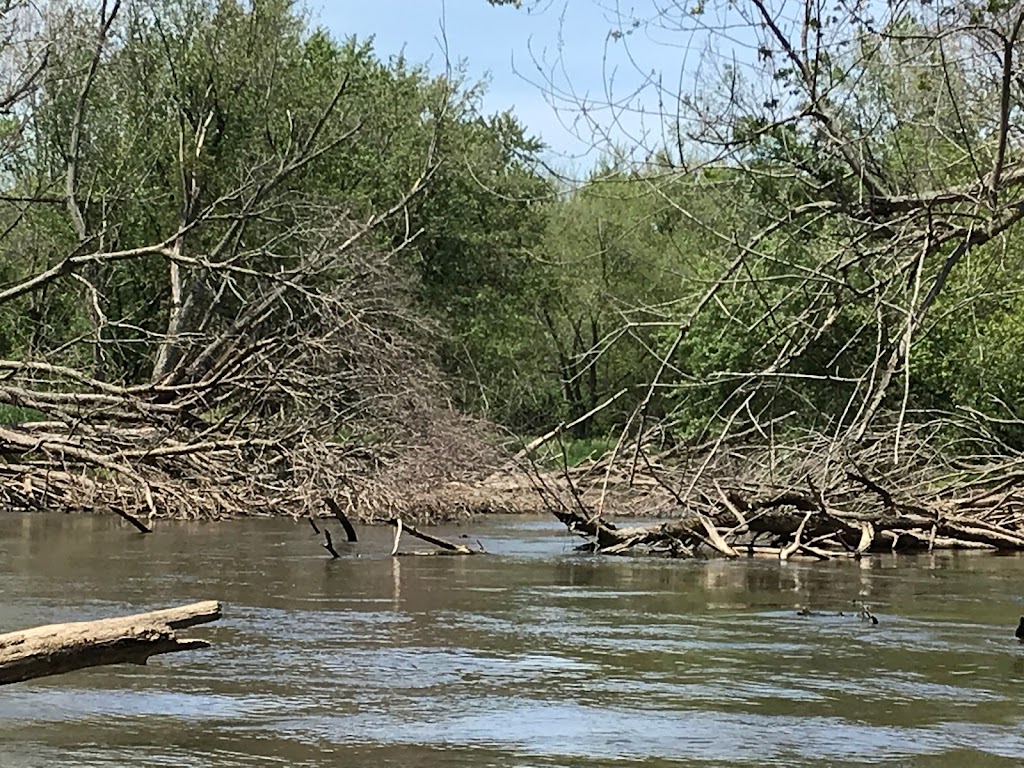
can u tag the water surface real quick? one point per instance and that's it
(530, 656)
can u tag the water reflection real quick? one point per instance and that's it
(530, 656)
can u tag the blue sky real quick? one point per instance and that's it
(565, 42)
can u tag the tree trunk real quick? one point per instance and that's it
(58, 648)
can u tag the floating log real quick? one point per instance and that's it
(58, 648)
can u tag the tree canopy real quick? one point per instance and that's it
(217, 215)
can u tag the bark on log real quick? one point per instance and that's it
(58, 648)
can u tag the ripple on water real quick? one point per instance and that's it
(531, 658)
(63, 704)
(573, 730)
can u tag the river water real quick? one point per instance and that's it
(530, 656)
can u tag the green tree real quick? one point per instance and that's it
(244, 263)
(875, 155)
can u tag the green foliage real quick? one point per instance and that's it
(573, 452)
(540, 302)
(14, 414)
(233, 90)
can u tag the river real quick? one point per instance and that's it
(530, 656)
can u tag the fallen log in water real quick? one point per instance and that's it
(58, 648)
(863, 518)
(445, 547)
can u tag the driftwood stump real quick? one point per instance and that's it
(58, 648)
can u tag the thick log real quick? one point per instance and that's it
(58, 648)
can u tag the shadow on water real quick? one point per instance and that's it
(533, 655)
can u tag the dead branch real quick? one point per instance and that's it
(533, 445)
(329, 546)
(445, 546)
(350, 531)
(849, 516)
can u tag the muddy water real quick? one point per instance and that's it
(531, 656)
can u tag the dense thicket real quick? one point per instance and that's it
(237, 256)
(825, 237)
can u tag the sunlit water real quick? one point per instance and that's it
(532, 655)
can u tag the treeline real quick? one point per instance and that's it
(172, 169)
(827, 241)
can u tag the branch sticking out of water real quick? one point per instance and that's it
(445, 547)
(329, 545)
(350, 531)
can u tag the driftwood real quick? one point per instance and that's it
(58, 648)
(346, 524)
(859, 518)
(445, 547)
(863, 613)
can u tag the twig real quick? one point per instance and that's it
(329, 546)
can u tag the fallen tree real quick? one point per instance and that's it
(810, 272)
(793, 524)
(762, 502)
(204, 327)
(444, 547)
(58, 648)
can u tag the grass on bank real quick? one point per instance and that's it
(576, 451)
